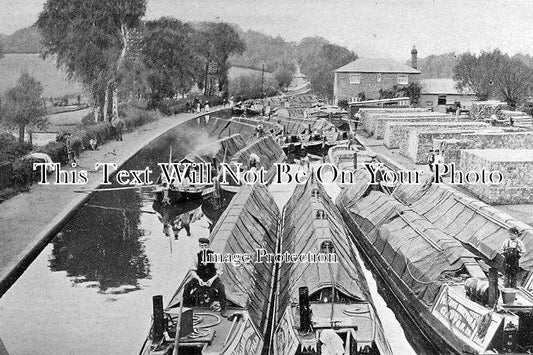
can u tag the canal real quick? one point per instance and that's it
(90, 290)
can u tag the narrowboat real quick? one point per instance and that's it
(449, 294)
(189, 324)
(322, 307)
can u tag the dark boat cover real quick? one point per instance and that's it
(304, 230)
(471, 221)
(421, 254)
(250, 222)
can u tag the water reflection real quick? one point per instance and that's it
(101, 244)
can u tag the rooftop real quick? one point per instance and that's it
(376, 65)
(442, 86)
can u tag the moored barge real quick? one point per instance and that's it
(322, 307)
(250, 222)
(448, 293)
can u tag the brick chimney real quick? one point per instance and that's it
(414, 53)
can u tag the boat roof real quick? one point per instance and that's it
(469, 220)
(303, 231)
(266, 148)
(223, 149)
(250, 222)
(419, 252)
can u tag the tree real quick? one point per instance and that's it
(90, 39)
(216, 41)
(23, 106)
(478, 73)
(170, 58)
(514, 80)
(494, 75)
(319, 59)
(412, 91)
(284, 73)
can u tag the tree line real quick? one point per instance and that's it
(108, 48)
(494, 75)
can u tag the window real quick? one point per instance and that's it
(429, 103)
(378, 79)
(402, 79)
(441, 100)
(355, 78)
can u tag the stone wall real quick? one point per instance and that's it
(381, 121)
(487, 140)
(368, 115)
(419, 143)
(516, 167)
(397, 132)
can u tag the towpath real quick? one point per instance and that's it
(28, 220)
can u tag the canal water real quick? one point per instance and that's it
(90, 290)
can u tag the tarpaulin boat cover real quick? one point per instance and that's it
(304, 230)
(266, 148)
(421, 254)
(471, 221)
(223, 149)
(219, 127)
(249, 223)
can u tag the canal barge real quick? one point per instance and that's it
(189, 324)
(322, 305)
(448, 293)
(200, 164)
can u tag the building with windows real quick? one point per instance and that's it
(441, 93)
(370, 75)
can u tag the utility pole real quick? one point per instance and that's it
(262, 78)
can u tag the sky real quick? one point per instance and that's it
(369, 28)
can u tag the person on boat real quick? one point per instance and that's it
(254, 161)
(206, 274)
(376, 186)
(512, 250)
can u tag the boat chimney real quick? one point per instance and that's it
(354, 160)
(214, 164)
(159, 325)
(305, 312)
(493, 287)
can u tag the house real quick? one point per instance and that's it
(370, 75)
(442, 92)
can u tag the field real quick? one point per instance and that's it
(55, 83)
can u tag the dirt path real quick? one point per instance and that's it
(26, 220)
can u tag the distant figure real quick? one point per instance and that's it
(205, 274)
(206, 107)
(439, 159)
(198, 107)
(118, 126)
(431, 159)
(356, 121)
(512, 250)
(70, 148)
(253, 161)
(93, 143)
(268, 111)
